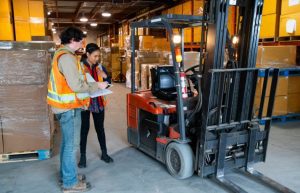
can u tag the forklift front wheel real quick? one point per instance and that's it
(180, 160)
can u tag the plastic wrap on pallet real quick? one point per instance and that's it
(190, 59)
(24, 113)
(23, 67)
(276, 56)
(128, 78)
(146, 81)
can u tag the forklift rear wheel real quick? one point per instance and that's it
(180, 160)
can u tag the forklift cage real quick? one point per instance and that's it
(168, 22)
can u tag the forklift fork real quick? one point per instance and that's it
(249, 170)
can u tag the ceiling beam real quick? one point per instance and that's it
(78, 22)
(107, 1)
(94, 11)
(77, 10)
(65, 15)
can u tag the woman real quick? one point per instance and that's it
(97, 105)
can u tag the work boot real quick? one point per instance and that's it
(106, 158)
(82, 162)
(79, 187)
(80, 177)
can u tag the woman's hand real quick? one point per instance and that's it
(102, 85)
(101, 73)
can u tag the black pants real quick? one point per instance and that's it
(99, 126)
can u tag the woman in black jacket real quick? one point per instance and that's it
(97, 105)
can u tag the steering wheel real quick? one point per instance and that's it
(192, 69)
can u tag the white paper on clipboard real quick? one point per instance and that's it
(100, 92)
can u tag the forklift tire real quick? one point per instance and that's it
(180, 160)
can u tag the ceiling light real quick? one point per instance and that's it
(52, 24)
(49, 13)
(106, 14)
(84, 32)
(53, 29)
(176, 39)
(83, 19)
(235, 39)
(94, 24)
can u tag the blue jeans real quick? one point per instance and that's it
(70, 124)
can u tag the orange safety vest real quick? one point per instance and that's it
(60, 95)
(100, 79)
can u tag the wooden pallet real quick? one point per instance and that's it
(291, 117)
(263, 40)
(289, 38)
(25, 156)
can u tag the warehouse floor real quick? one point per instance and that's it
(134, 171)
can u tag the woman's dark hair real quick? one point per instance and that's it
(71, 33)
(90, 48)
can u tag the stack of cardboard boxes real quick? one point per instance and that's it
(270, 19)
(290, 18)
(26, 121)
(288, 92)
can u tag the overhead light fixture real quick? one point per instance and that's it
(49, 12)
(94, 24)
(83, 18)
(53, 29)
(106, 14)
(176, 39)
(52, 24)
(84, 32)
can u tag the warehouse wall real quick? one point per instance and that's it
(91, 37)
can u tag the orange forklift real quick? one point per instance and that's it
(201, 119)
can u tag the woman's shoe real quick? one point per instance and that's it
(106, 158)
(82, 162)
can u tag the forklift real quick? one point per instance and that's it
(201, 119)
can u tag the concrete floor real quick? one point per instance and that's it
(134, 171)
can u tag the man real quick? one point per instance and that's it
(67, 95)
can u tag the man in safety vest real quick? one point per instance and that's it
(68, 94)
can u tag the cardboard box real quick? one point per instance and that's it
(281, 90)
(280, 105)
(268, 26)
(289, 22)
(160, 44)
(128, 78)
(187, 8)
(1, 143)
(26, 120)
(270, 7)
(37, 18)
(178, 9)
(145, 42)
(198, 7)
(190, 59)
(276, 56)
(290, 6)
(197, 34)
(294, 103)
(188, 35)
(294, 85)
(6, 32)
(144, 77)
